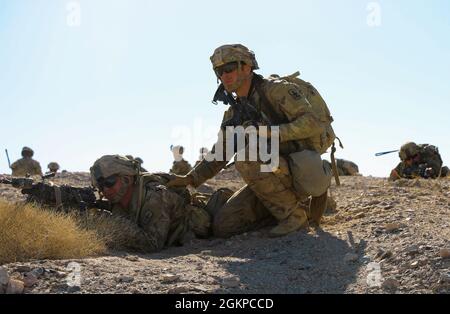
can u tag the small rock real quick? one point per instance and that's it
(390, 284)
(445, 278)
(414, 264)
(169, 278)
(73, 289)
(29, 280)
(350, 257)
(360, 215)
(38, 272)
(15, 287)
(305, 266)
(412, 250)
(201, 288)
(4, 277)
(391, 227)
(23, 269)
(179, 289)
(132, 258)
(125, 279)
(60, 274)
(231, 282)
(444, 253)
(386, 255)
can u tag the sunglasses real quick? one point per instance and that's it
(109, 182)
(226, 68)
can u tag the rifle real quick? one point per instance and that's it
(384, 153)
(7, 157)
(418, 170)
(62, 197)
(243, 112)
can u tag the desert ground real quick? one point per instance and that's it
(383, 237)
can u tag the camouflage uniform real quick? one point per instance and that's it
(26, 165)
(163, 215)
(267, 195)
(346, 167)
(428, 164)
(181, 167)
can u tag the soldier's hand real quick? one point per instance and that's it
(394, 175)
(178, 181)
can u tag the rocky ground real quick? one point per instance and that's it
(385, 237)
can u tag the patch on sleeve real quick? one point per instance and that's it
(295, 93)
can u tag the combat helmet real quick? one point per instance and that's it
(53, 166)
(233, 53)
(177, 149)
(110, 165)
(408, 150)
(26, 151)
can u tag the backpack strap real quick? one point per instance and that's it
(258, 81)
(141, 180)
(139, 201)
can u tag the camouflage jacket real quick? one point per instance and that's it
(160, 213)
(181, 167)
(25, 166)
(300, 128)
(429, 158)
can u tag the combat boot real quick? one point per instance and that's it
(294, 222)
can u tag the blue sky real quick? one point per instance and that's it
(135, 77)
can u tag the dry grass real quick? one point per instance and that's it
(28, 232)
(117, 233)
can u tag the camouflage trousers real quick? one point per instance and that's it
(267, 197)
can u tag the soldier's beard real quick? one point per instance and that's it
(240, 80)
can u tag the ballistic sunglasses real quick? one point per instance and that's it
(108, 182)
(227, 68)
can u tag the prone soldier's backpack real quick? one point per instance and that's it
(430, 155)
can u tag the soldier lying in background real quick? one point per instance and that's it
(180, 166)
(418, 161)
(346, 167)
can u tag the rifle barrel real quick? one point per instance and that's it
(385, 153)
(7, 156)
